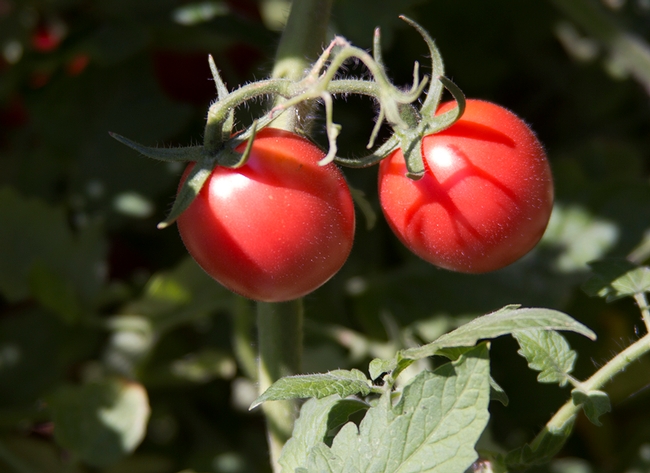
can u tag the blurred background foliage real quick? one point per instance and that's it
(117, 354)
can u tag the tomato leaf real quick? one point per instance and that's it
(508, 320)
(496, 392)
(181, 295)
(55, 293)
(433, 427)
(594, 403)
(37, 248)
(379, 367)
(341, 382)
(617, 278)
(318, 419)
(100, 422)
(548, 352)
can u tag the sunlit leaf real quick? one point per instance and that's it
(508, 320)
(100, 422)
(433, 427)
(617, 278)
(318, 418)
(548, 352)
(594, 403)
(341, 382)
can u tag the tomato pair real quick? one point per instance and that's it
(281, 225)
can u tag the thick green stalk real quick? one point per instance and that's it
(303, 38)
(280, 327)
(302, 41)
(243, 337)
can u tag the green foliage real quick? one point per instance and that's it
(545, 350)
(595, 403)
(100, 422)
(37, 248)
(548, 353)
(433, 426)
(341, 382)
(320, 420)
(103, 317)
(615, 279)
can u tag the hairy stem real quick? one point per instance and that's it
(642, 302)
(280, 327)
(605, 374)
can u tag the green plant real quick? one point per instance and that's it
(119, 353)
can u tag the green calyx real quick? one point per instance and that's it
(396, 109)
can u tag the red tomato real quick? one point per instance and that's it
(47, 37)
(486, 196)
(278, 227)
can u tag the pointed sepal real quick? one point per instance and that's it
(447, 119)
(193, 184)
(183, 154)
(437, 67)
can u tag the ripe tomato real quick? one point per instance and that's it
(47, 37)
(276, 228)
(486, 196)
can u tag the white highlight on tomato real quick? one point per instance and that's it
(442, 157)
(226, 187)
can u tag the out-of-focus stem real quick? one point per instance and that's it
(280, 327)
(301, 43)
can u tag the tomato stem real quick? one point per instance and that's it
(642, 302)
(568, 412)
(280, 328)
(280, 325)
(243, 337)
(301, 43)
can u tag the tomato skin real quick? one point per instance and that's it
(276, 228)
(486, 196)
